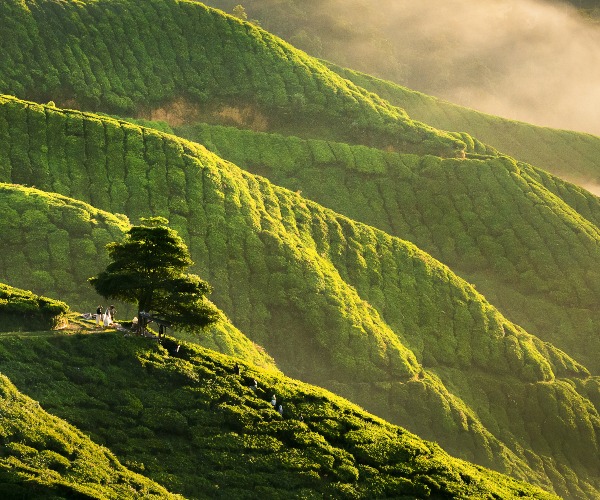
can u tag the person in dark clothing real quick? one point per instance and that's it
(236, 369)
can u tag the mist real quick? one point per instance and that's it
(530, 60)
(536, 61)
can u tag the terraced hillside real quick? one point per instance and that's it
(192, 425)
(337, 302)
(183, 61)
(45, 457)
(529, 241)
(570, 155)
(334, 301)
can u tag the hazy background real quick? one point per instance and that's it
(531, 60)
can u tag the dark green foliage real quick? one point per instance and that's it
(190, 424)
(22, 310)
(170, 59)
(44, 457)
(147, 268)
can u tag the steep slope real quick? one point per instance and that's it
(44, 457)
(53, 244)
(342, 304)
(192, 425)
(570, 155)
(529, 241)
(181, 60)
(22, 310)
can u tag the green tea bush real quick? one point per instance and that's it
(22, 310)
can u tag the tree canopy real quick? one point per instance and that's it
(148, 268)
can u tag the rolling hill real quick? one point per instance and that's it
(181, 59)
(339, 303)
(339, 276)
(526, 239)
(570, 155)
(186, 421)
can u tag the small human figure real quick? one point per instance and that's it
(113, 312)
(280, 410)
(236, 369)
(99, 315)
(107, 318)
(273, 401)
(254, 385)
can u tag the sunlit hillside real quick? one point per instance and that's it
(420, 272)
(185, 422)
(507, 227)
(339, 303)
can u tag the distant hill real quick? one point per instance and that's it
(530, 60)
(570, 155)
(193, 426)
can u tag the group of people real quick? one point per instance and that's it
(254, 388)
(105, 318)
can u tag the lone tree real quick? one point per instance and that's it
(147, 268)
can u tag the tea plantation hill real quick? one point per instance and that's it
(197, 429)
(337, 302)
(528, 240)
(44, 457)
(189, 61)
(22, 310)
(156, 79)
(52, 244)
(323, 106)
(572, 156)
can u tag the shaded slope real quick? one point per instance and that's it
(336, 302)
(180, 60)
(528, 240)
(52, 244)
(192, 425)
(44, 457)
(570, 155)
(22, 310)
